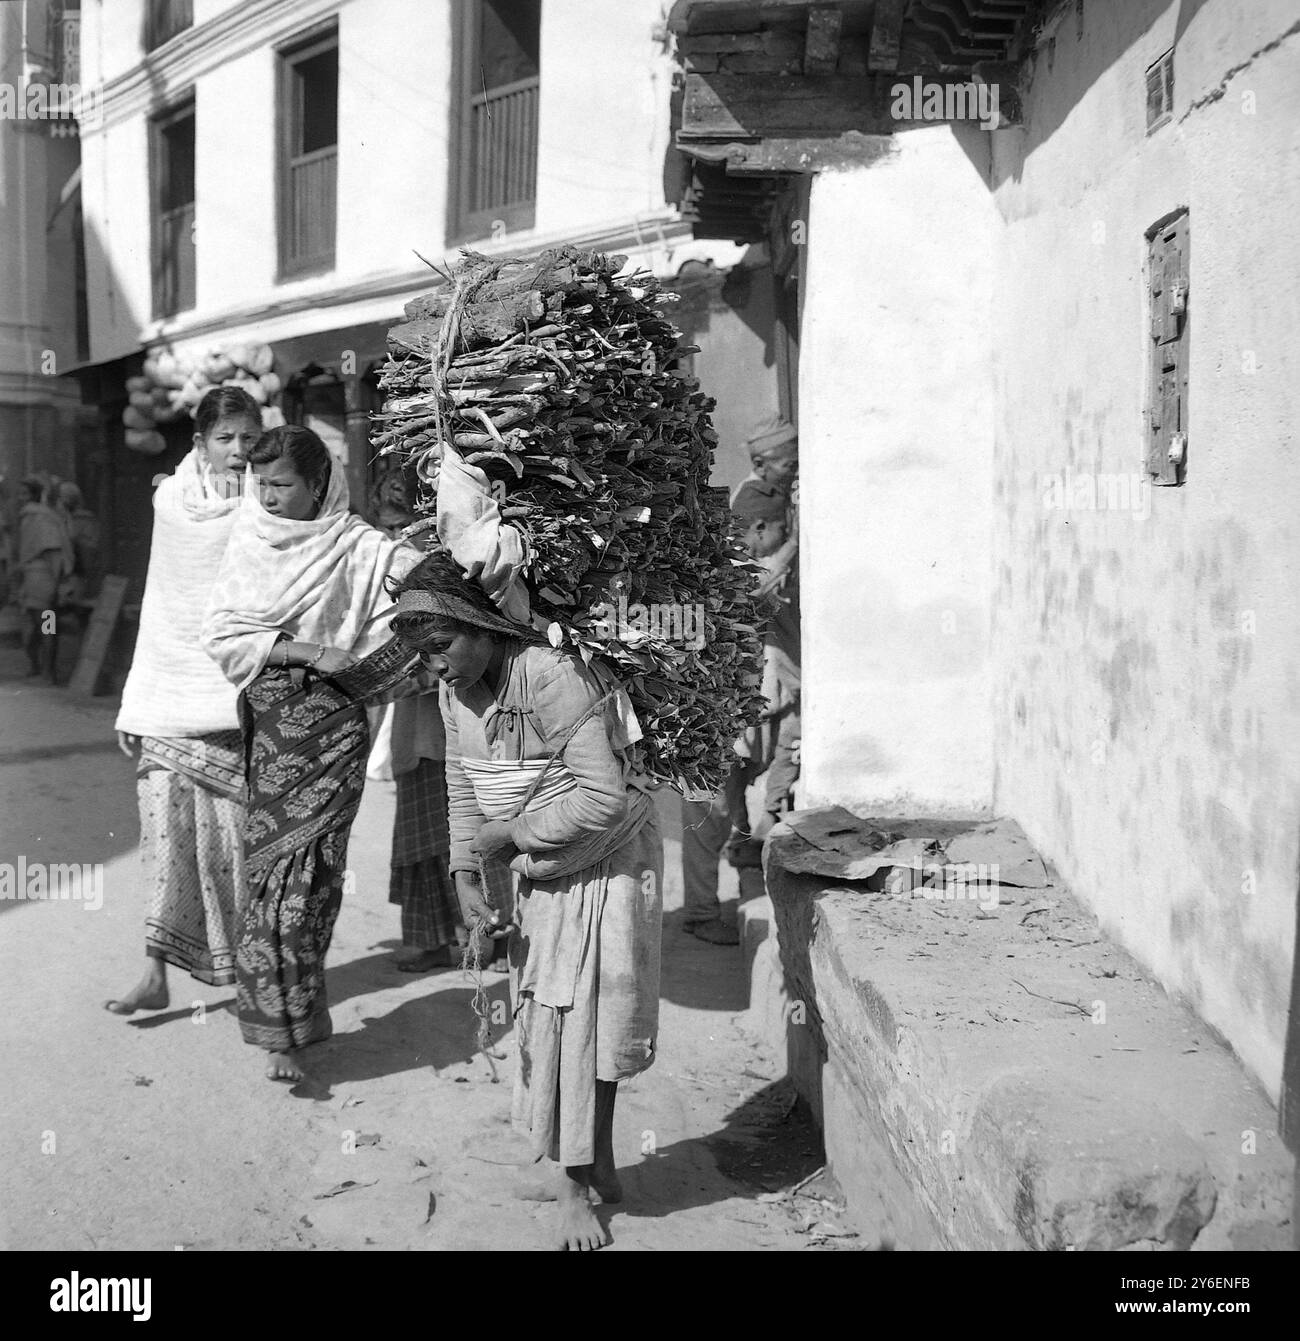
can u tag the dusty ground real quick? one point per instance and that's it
(160, 1132)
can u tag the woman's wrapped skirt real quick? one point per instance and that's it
(190, 792)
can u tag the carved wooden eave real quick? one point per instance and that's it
(771, 88)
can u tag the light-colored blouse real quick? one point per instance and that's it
(596, 790)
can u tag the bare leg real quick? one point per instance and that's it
(579, 1230)
(150, 993)
(604, 1178)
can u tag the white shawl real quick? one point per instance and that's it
(319, 581)
(173, 688)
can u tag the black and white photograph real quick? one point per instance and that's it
(651, 626)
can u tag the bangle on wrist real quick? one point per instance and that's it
(320, 652)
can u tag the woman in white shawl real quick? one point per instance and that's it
(178, 716)
(298, 625)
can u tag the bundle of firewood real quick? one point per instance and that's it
(556, 378)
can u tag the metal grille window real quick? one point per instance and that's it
(165, 19)
(308, 177)
(496, 166)
(1167, 273)
(172, 173)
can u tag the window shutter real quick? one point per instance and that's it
(1167, 271)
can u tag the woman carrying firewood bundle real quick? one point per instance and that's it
(541, 774)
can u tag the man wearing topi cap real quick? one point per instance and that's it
(762, 507)
(773, 449)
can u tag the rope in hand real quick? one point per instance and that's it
(471, 960)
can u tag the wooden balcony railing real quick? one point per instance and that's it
(173, 269)
(310, 211)
(502, 170)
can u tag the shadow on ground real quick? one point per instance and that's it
(768, 1145)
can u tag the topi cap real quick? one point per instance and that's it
(773, 432)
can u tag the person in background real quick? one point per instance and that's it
(295, 623)
(710, 827)
(45, 561)
(773, 450)
(782, 680)
(774, 458)
(83, 531)
(419, 881)
(392, 510)
(178, 717)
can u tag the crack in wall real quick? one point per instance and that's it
(1218, 92)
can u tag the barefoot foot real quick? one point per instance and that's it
(149, 994)
(282, 1066)
(540, 1190)
(578, 1230)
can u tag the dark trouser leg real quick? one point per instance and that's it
(606, 1094)
(784, 772)
(705, 826)
(32, 639)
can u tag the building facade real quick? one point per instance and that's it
(287, 174)
(1044, 374)
(42, 313)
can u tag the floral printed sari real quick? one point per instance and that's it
(307, 740)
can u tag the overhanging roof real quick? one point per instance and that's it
(771, 88)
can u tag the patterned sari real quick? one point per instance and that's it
(307, 740)
(191, 796)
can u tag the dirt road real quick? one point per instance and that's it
(161, 1132)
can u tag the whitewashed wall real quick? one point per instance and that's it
(1148, 666)
(895, 394)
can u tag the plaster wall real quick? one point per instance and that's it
(1148, 685)
(895, 394)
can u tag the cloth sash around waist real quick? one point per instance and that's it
(500, 785)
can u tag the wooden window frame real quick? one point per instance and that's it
(159, 123)
(462, 226)
(158, 33)
(303, 47)
(1161, 69)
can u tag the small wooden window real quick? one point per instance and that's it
(308, 89)
(172, 173)
(1167, 274)
(496, 104)
(1160, 91)
(165, 19)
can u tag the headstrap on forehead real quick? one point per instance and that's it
(453, 607)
